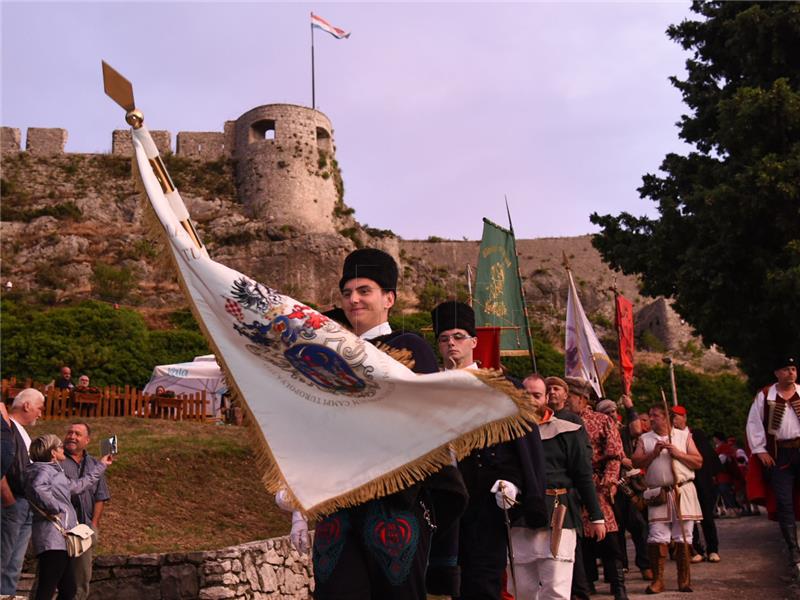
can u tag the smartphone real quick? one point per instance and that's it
(109, 446)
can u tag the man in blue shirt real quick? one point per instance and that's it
(88, 505)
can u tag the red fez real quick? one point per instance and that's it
(678, 410)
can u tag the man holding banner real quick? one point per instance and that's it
(380, 549)
(495, 476)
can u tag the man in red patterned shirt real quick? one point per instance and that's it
(607, 455)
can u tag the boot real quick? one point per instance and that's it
(683, 561)
(657, 553)
(790, 537)
(618, 583)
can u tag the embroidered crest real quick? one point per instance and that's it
(393, 540)
(329, 538)
(301, 342)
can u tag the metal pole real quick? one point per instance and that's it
(668, 360)
(313, 91)
(522, 294)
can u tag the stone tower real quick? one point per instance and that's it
(287, 171)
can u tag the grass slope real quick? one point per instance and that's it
(179, 486)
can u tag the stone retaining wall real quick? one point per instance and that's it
(268, 569)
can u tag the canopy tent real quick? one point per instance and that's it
(203, 373)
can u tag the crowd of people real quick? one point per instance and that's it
(536, 516)
(49, 486)
(543, 516)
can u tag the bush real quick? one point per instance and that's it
(431, 295)
(649, 341)
(114, 346)
(112, 284)
(62, 211)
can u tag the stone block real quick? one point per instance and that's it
(110, 561)
(125, 589)
(148, 560)
(44, 141)
(122, 145)
(273, 557)
(179, 582)
(123, 572)
(268, 578)
(216, 593)
(10, 140)
(196, 557)
(203, 145)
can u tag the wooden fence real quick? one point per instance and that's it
(113, 401)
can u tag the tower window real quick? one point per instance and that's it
(323, 139)
(262, 130)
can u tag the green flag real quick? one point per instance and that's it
(497, 300)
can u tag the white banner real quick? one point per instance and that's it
(584, 355)
(338, 421)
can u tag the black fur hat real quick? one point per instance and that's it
(453, 315)
(370, 263)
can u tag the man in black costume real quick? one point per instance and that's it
(503, 477)
(381, 550)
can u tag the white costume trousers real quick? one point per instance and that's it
(539, 575)
(660, 531)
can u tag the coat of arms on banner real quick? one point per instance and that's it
(302, 343)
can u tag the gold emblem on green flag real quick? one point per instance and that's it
(497, 300)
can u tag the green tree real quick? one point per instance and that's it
(114, 346)
(726, 246)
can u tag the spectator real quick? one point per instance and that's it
(49, 490)
(89, 504)
(728, 476)
(7, 439)
(83, 382)
(64, 380)
(16, 516)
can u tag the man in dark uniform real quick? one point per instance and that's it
(496, 477)
(380, 550)
(545, 556)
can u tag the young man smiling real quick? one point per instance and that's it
(352, 558)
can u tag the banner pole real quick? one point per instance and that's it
(313, 91)
(522, 294)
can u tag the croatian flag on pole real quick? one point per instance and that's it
(320, 23)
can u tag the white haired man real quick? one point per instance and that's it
(16, 518)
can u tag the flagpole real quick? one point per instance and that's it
(522, 293)
(313, 92)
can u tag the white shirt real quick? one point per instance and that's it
(382, 329)
(25, 437)
(756, 436)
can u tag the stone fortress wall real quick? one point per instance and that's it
(287, 175)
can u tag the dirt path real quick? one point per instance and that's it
(753, 567)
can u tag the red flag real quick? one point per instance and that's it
(625, 337)
(487, 352)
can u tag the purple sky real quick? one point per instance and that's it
(438, 109)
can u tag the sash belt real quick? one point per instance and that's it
(556, 491)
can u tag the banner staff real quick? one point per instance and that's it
(313, 91)
(522, 292)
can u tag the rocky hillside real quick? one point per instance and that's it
(72, 228)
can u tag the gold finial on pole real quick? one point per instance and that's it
(120, 91)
